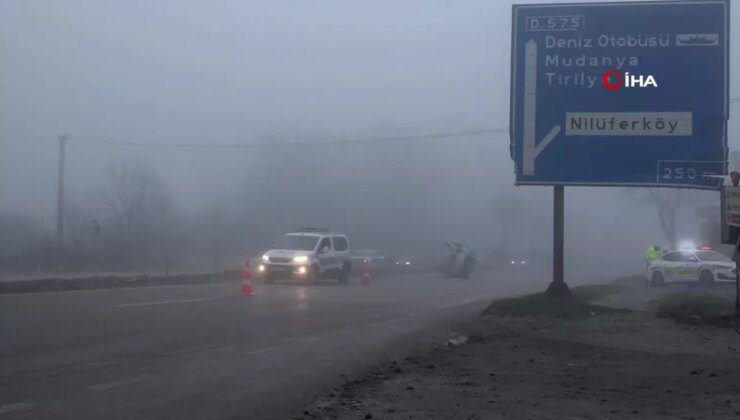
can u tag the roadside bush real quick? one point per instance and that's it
(694, 308)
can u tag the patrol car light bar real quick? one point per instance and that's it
(686, 246)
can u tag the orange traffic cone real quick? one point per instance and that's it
(246, 289)
(365, 273)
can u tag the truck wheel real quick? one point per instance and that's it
(658, 280)
(313, 275)
(344, 274)
(706, 278)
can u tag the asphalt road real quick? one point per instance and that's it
(196, 352)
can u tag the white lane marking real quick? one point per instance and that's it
(9, 408)
(262, 350)
(164, 302)
(109, 385)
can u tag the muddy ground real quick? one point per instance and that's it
(612, 365)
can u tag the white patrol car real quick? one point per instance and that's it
(307, 254)
(702, 265)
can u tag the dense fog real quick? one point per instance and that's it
(199, 132)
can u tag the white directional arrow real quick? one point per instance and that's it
(531, 148)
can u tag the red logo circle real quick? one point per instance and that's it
(607, 82)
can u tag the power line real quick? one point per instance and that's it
(399, 139)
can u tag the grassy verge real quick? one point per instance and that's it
(113, 282)
(631, 280)
(539, 304)
(696, 308)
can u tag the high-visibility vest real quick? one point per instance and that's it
(652, 254)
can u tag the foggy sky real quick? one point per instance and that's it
(230, 71)
(236, 71)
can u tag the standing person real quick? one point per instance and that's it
(653, 253)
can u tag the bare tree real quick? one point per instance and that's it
(141, 208)
(667, 201)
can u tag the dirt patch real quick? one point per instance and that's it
(578, 305)
(595, 366)
(699, 309)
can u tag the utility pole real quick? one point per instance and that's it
(60, 193)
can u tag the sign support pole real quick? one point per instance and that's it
(558, 287)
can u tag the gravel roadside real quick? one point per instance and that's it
(608, 365)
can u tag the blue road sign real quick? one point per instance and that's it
(628, 93)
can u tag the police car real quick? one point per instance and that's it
(691, 265)
(308, 254)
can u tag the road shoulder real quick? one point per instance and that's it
(612, 364)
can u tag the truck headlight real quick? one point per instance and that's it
(300, 259)
(301, 270)
(265, 258)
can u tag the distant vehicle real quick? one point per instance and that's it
(308, 254)
(403, 263)
(703, 265)
(368, 256)
(517, 262)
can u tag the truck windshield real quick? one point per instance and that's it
(297, 242)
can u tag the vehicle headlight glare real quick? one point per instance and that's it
(265, 258)
(300, 259)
